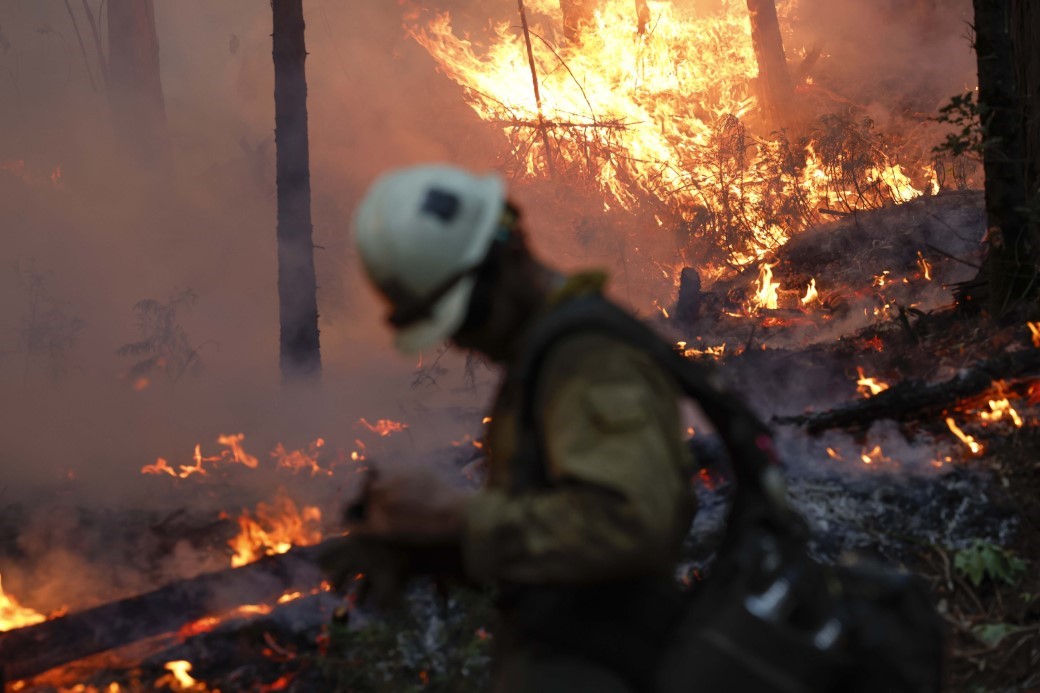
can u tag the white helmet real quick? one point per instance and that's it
(421, 232)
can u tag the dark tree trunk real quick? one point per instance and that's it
(299, 353)
(776, 90)
(134, 86)
(1026, 38)
(1010, 265)
(577, 15)
(642, 16)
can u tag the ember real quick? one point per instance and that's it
(384, 427)
(972, 444)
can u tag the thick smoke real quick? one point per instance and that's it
(81, 247)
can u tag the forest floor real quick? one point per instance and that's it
(907, 492)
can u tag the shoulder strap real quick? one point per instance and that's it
(749, 442)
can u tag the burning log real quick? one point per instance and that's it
(912, 399)
(32, 650)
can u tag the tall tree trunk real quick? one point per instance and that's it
(299, 353)
(134, 87)
(776, 90)
(1011, 260)
(577, 15)
(1026, 39)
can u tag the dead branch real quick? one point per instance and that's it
(537, 91)
(912, 399)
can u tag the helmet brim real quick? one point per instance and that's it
(448, 315)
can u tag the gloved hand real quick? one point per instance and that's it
(378, 568)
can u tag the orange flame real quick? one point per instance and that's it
(1001, 407)
(972, 444)
(640, 114)
(234, 442)
(766, 293)
(868, 387)
(299, 460)
(811, 294)
(1034, 329)
(384, 427)
(925, 266)
(274, 529)
(14, 615)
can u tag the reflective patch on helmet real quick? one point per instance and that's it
(441, 204)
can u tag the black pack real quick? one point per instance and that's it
(769, 617)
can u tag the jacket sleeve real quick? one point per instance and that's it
(620, 502)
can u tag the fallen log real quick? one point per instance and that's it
(29, 651)
(912, 399)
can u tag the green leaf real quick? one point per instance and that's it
(984, 560)
(992, 633)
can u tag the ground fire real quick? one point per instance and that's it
(828, 207)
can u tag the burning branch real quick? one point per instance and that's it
(537, 91)
(913, 399)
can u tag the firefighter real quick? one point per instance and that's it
(584, 561)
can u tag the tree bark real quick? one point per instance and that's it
(299, 353)
(1010, 265)
(776, 90)
(134, 85)
(1026, 38)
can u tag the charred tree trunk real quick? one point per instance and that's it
(1010, 267)
(642, 16)
(299, 352)
(577, 15)
(134, 85)
(775, 87)
(1026, 38)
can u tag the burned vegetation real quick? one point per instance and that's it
(791, 209)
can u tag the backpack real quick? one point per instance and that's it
(769, 617)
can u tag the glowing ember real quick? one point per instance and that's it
(882, 279)
(17, 168)
(274, 529)
(811, 294)
(384, 427)
(715, 352)
(868, 387)
(972, 444)
(874, 455)
(14, 615)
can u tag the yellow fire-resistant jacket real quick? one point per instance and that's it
(619, 502)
